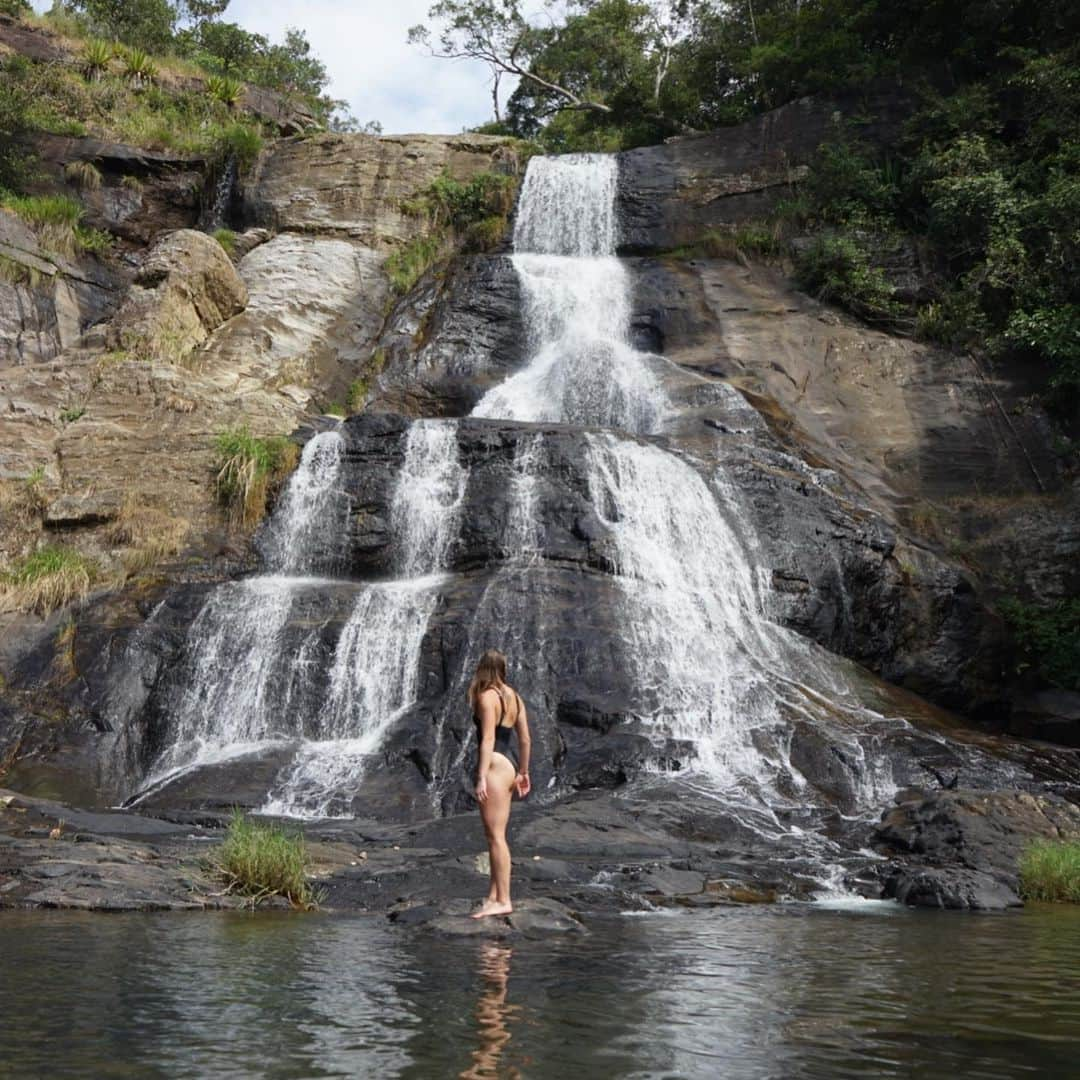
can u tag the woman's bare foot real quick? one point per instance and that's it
(490, 907)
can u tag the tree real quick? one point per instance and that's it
(148, 24)
(496, 33)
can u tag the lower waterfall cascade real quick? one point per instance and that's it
(320, 666)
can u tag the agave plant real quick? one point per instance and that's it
(96, 57)
(227, 91)
(139, 68)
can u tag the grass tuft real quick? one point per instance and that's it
(227, 239)
(85, 175)
(48, 578)
(259, 859)
(249, 470)
(1050, 871)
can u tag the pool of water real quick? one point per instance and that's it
(784, 992)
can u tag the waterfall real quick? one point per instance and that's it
(582, 367)
(262, 667)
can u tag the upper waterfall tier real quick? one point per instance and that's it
(567, 206)
(582, 366)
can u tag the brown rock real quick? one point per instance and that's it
(185, 289)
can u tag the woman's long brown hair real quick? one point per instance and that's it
(490, 673)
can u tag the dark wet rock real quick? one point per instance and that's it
(963, 847)
(454, 336)
(673, 194)
(953, 889)
(530, 918)
(1050, 714)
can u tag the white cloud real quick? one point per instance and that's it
(372, 67)
(370, 64)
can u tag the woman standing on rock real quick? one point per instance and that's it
(498, 711)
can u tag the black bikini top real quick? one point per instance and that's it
(502, 731)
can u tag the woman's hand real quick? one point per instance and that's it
(522, 784)
(481, 789)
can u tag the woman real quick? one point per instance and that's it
(498, 711)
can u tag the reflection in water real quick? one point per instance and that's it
(493, 1016)
(788, 992)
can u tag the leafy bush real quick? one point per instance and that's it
(140, 69)
(1050, 871)
(450, 203)
(97, 55)
(49, 578)
(259, 860)
(837, 268)
(249, 470)
(228, 91)
(242, 141)
(1048, 638)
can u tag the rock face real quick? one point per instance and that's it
(185, 289)
(47, 301)
(353, 185)
(964, 846)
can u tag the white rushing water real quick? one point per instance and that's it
(256, 672)
(582, 367)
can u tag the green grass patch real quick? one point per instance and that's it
(49, 578)
(249, 470)
(227, 239)
(258, 860)
(408, 263)
(1050, 871)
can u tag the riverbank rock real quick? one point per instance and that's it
(534, 918)
(963, 847)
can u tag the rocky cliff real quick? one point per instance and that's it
(832, 436)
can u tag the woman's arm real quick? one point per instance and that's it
(524, 785)
(488, 720)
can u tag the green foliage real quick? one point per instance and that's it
(1048, 638)
(48, 578)
(1050, 871)
(242, 141)
(228, 91)
(97, 55)
(140, 69)
(54, 218)
(837, 268)
(447, 202)
(259, 859)
(148, 24)
(358, 392)
(249, 470)
(407, 264)
(15, 7)
(16, 105)
(72, 413)
(335, 408)
(95, 241)
(227, 239)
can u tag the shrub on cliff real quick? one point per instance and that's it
(258, 860)
(1048, 638)
(1050, 871)
(249, 471)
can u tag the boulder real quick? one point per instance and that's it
(961, 848)
(185, 289)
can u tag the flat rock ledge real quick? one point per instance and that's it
(530, 918)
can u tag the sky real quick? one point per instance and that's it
(362, 43)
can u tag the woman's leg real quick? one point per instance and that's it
(495, 813)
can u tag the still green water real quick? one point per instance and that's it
(780, 992)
